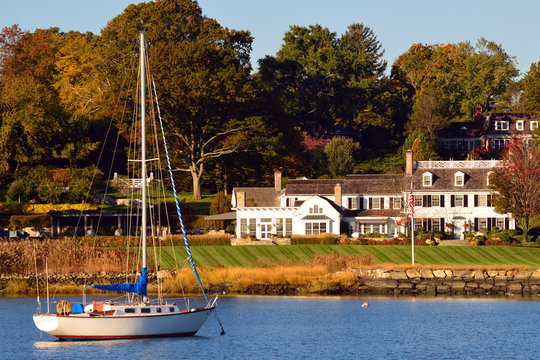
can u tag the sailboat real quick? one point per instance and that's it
(136, 317)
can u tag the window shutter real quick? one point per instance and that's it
(370, 204)
(452, 200)
(382, 203)
(506, 223)
(489, 223)
(349, 203)
(425, 200)
(361, 203)
(391, 203)
(442, 224)
(465, 200)
(489, 200)
(442, 200)
(475, 200)
(476, 224)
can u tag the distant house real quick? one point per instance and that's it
(493, 133)
(452, 196)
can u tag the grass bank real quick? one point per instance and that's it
(248, 256)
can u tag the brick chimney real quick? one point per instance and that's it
(277, 180)
(337, 194)
(409, 162)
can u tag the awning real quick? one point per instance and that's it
(315, 217)
(371, 221)
(231, 215)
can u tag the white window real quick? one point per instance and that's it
(435, 200)
(418, 223)
(353, 203)
(315, 228)
(459, 179)
(427, 178)
(499, 223)
(376, 203)
(534, 125)
(435, 224)
(316, 210)
(500, 143)
(520, 124)
(501, 125)
(288, 226)
(482, 224)
(482, 200)
(459, 200)
(396, 202)
(418, 201)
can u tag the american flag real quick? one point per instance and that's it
(411, 202)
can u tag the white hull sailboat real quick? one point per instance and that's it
(137, 317)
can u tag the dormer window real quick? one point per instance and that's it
(427, 179)
(520, 124)
(501, 125)
(459, 179)
(534, 125)
(316, 210)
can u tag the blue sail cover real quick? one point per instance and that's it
(138, 288)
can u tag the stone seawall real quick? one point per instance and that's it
(449, 282)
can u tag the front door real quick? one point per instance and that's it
(459, 229)
(266, 230)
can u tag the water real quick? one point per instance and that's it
(309, 328)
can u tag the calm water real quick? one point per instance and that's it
(310, 328)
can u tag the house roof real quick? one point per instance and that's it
(512, 119)
(312, 187)
(260, 196)
(443, 179)
(375, 184)
(231, 215)
(469, 129)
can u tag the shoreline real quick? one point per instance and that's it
(415, 282)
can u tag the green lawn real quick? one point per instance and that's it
(210, 256)
(201, 207)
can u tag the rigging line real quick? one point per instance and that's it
(176, 197)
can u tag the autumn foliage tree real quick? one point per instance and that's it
(202, 74)
(516, 181)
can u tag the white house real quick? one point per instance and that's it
(451, 196)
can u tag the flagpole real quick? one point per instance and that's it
(411, 208)
(412, 236)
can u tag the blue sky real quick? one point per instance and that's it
(397, 23)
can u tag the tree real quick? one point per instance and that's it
(531, 89)
(340, 153)
(516, 181)
(202, 74)
(466, 75)
(429, 112)
(324, 80)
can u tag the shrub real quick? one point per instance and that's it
(322, 239)
(22, 221)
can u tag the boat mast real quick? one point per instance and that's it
(143, 147)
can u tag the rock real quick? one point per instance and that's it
(443, 289)
(426, 273)
(441, 274)
(458, 285)
(478, 275)
(413, 273)
(514, 288)
(398, 275)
